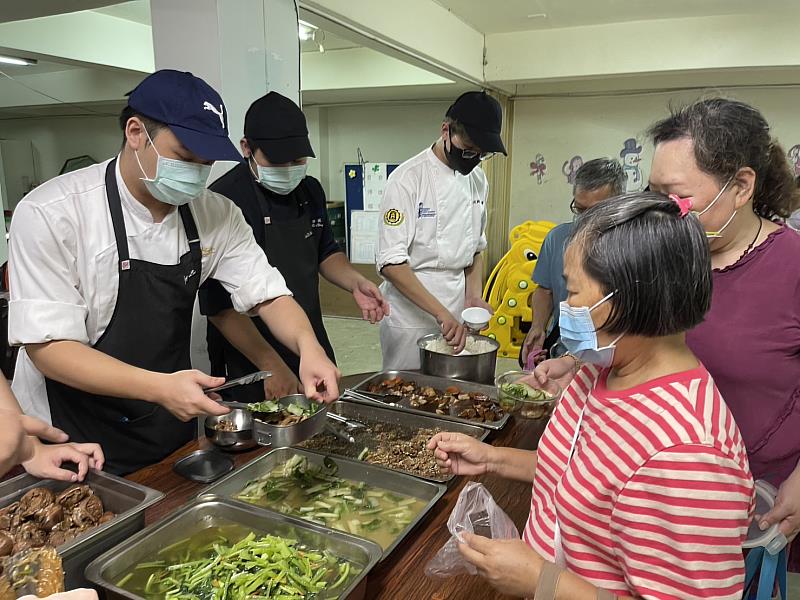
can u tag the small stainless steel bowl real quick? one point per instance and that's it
(278, 436)
(239, 439)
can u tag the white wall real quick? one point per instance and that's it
(386, 132)
(560, 128)
(55, 139)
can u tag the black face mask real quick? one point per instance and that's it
(457, 161)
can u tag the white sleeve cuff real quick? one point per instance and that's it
(40, 321)
(255, 292)
(391, 257)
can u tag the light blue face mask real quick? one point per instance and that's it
(579, 336)
(280, 180)
(176, 182)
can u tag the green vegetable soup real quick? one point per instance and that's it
(316, 494)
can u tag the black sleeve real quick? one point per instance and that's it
(213, 298)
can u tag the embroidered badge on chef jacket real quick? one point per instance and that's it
(393, 217)
(317, 222)
(425, 213)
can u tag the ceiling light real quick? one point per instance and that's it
(537, 16)
(21, 62)
(306, 30)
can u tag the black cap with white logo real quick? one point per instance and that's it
(482, 117)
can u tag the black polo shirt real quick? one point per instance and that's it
(254, 200)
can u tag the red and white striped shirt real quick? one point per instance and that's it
(656, 500)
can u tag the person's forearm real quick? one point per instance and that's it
(473, 275)
(403, 278)
(79, 366)
(288, 323)
(575, 587)
(7, 399)
(542, 307)
(339, 271)
(513, 463)
(243, 335)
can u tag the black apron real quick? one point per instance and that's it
(292, 247)
(150, 328)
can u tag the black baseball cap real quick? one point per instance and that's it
(482, 118)
(277, 126)
(192, 110)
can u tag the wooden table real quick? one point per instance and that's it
(402, 575)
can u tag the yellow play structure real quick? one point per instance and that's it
(510, 286)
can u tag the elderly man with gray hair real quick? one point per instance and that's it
(595, 181)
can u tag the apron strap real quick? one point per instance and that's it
(191, 234)
(117, 220)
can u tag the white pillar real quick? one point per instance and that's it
(243, 49)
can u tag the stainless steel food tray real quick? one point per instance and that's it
(441, 383)
(110, 567)
(375, 413)
(126, 499)
(394, 481)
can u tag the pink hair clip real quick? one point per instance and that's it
(685, 204)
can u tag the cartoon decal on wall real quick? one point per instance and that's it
(794, 156)
(631, 157)
(570, 168)
(538, 168)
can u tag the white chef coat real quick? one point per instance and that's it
(434, 219)
(64, 264)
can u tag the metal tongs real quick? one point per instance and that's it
(370, 397)
(342, 426)
(246, 380)
(349, 423)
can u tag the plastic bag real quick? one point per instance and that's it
(475, 512)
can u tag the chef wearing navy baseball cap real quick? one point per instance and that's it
(107, 261)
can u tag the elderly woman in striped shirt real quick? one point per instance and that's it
(641, 485)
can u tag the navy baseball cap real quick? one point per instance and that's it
(482, 118)
(192, 110)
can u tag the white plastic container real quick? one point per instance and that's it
(476, 318)
(772, 539)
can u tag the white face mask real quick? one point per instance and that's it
(280, 180)
(176, 182)
(718, 233)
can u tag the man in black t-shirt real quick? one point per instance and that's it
(286, 209)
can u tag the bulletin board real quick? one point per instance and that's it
(358, 221)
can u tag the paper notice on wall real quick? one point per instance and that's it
(364, 236)
(374, 185)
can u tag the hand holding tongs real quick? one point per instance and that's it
(246, 380)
